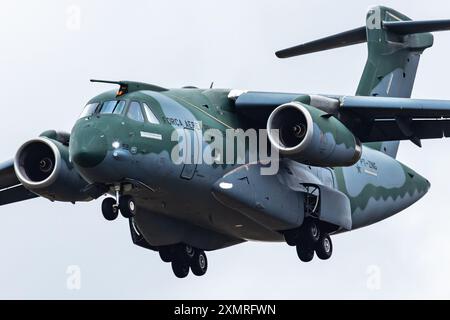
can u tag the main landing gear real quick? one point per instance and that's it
(309, 238)
(183, 258)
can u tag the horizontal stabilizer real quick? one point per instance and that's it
(343, 39)
(359, 35)
(411, 27)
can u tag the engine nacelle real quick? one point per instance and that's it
(311, 136)
(42, 165)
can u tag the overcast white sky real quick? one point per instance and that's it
(46, 62)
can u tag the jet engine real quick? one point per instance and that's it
(43, 166)
(311, 136)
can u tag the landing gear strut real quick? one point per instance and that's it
(183, 258)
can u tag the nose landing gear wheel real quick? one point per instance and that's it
(109, 209)
(199, 263)
(324, 247)
(127, 206)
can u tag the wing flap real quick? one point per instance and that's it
(15, 194)
(389, 130)
(10, 188)
(7, 175)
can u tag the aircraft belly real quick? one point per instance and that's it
(194, 204)
(161, 230)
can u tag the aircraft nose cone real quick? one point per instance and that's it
(88, 147)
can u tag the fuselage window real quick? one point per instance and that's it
(150, 115)
(89, 110)
(135, 112)
(112, 107)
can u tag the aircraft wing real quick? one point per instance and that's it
(10, 188)
(384, 119)
(371, 119)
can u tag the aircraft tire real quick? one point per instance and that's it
(109, 209)
(127, 206)
(324, 247)
(199, 263)
(180, 268)
(305, 252)
(165, 254)
(310, 232)
(292, 237)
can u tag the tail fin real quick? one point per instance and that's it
(394, 47)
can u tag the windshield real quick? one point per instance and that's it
(112, 106)
(89, 110)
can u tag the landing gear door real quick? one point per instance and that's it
(335, 207)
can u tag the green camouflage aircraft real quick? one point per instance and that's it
(331, 166)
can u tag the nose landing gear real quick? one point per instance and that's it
(123, 203)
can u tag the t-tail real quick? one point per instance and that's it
(395, 44)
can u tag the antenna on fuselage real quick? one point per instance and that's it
(131, 86)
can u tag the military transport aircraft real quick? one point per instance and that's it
(336, 171)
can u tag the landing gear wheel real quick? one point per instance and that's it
(109, 209)
(305, 252)
(324, 247)
(189, 251)
(166, 254)
(180, 268)
(310, 232)
(199, 263)
(127, 206)
(292, 237)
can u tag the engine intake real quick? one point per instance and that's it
(42, 165)
(309, 135)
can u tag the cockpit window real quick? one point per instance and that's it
(119, 107)
(150, 115)
(89, 110)
(113, 106)
(135, 112)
